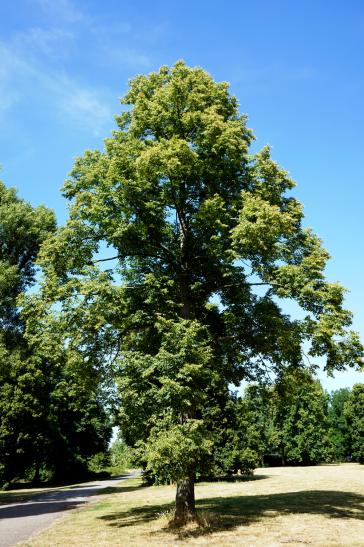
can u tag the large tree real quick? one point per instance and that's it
(172, 228)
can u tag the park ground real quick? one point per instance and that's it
(288, 506)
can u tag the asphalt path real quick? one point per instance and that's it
(20, 520)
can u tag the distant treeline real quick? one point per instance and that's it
(295, 422)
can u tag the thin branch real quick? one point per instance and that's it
(227, 337)
(104, 259)
(144, 255)
(307, 358)
(251, 284)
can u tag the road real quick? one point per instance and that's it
(19, 521)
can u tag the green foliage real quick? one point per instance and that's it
(51, 420)
(173, 452)
(241, 442)
(190, 218)
(255, 420)
(121, 456)
(300, 418)
(22, 230)
(99, 462)
(340, 434)
(234, 458)
(289, 418)
(20, 412)
(354, 412)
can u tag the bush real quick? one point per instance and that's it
(98, 462)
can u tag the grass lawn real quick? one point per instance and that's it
(321, 505)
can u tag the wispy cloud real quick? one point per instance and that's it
(124, 56)
(117, 45)
(260, 75)
(10, 64)
(50, 42)
(61, 10)
(83, 105)
(42, 65)
(304, 73)
(67, 98)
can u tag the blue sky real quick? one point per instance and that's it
(295, 66)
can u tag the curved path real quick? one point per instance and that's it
(19, 521)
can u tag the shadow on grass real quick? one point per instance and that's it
(233, 478)
(231, 512)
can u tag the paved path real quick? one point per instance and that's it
(19, 521)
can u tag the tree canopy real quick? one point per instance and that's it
(172, 229)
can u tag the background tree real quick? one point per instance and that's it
(339, 428)
(300, 417)
(288, 421)
(354, 412)
(22, 230)
(51, 419)
(255, 420)
(193, 224)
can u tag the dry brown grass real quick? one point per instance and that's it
(289, 506)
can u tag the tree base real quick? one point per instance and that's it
(185, 502)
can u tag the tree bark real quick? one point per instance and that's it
(185, 501)
(185, 494)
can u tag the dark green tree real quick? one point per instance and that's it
(255, 420)
(300, 417)
(354, 412)
(339, 428)
(188, 217)
(22, 230)
(51, 419)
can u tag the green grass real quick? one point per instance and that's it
(321, 505)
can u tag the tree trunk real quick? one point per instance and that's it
(185, 495)
(185, 501)
(36, 479)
